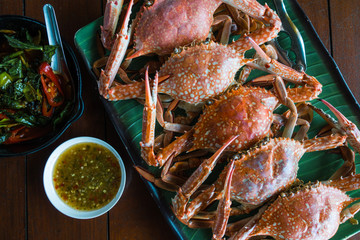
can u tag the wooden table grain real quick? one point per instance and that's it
(26, 213)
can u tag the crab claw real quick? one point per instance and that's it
(149, 118)
(345, 126)
(310, 86)
(116, 56)
(223, 210)
(111, 17)
(180, 201)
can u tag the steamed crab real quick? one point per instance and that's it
(180, 22)
(310, 211)
(212, 73)
(243, 111)
(199, 72)
(258, 175)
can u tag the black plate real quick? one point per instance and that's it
(16, 23)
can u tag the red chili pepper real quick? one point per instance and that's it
(51, 85)
(17, 135)
(3, 116)
(47, 110)
(23, 133)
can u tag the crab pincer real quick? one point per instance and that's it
(111, 17)
(117, 54)
(149, 116)
(194, 181)
(344, 126)
(223, 209)
(311, 87)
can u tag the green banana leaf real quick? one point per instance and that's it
(126, 115)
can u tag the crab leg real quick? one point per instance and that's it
(350, 211)
(324, 143)
(311, 86)
(246, 231)
(346, 127)
(349, 183)
(149, 118)
(234, 227)
(263, 13)
(172, 187)
(183, 195)
(280, 121)
(223, 209)
(254, 9)
(111, 17)
(226, 21)
(284, 99)
(348, 166)
(181, 144)
(116, 57)
(165, 123)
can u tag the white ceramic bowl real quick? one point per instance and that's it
(58, 203)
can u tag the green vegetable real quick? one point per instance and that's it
(15, 43)
(9, 102)
(7, 123)
(21, 89)
(5, 80)
(25, 119)
(30, 93)
(49, 51)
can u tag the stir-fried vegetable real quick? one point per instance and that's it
(31, 94)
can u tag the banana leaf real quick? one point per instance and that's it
(126, 115)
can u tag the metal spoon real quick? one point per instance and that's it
(58, 61)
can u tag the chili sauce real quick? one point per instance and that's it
(87, 176)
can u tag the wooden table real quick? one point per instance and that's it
(25, 211)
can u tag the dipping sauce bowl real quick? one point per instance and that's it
(84, 177)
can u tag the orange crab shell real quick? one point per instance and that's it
(311, 213)
(200, 72)
(177, 23)
(246, 111)
(266, 170)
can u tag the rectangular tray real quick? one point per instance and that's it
(126, 115)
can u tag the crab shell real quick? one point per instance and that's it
(200, 72)
(246, 111)
(265, 171)
(177, 23)
(311, 213)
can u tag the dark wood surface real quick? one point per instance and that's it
(25, 211)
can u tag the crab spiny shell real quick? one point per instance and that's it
(168, 24)
(200, 72)
(311, 213)
(246, 111)
(265, 171)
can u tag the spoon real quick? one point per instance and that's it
(58, 61)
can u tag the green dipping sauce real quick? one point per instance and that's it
(87, 176)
